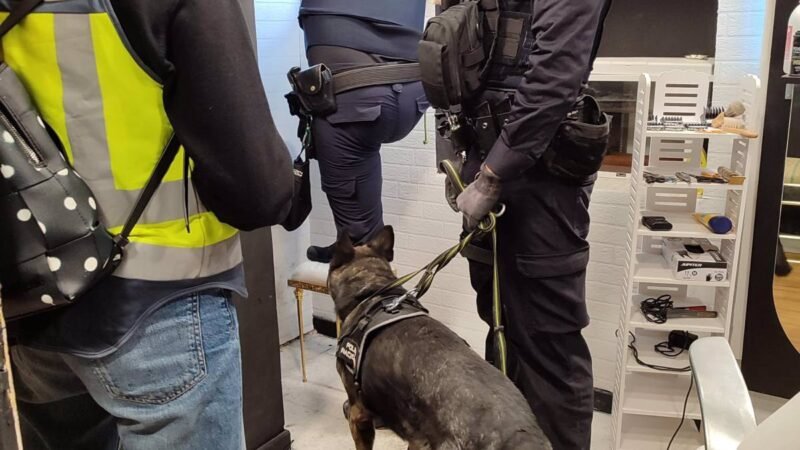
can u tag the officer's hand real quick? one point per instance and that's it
(480, 197)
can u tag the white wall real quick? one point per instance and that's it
(741, 50)
(280, 47)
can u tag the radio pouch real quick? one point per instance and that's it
(314, 89)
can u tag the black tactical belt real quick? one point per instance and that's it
(375, 75)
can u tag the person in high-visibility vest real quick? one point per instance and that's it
(150, 359)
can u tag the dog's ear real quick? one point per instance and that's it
(343, 252)
(383, 243)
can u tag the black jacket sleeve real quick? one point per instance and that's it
(215, 100)
(565, 33)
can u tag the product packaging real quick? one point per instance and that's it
(694, 260)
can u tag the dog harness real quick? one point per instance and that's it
(381, 312)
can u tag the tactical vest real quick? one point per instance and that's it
(514, 44)
(106, 108)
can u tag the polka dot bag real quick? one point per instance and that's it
(53, 247)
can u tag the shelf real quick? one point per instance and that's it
(688, 134)
(670, 172)
(638, 321)
(683, 225)
(654, 433)
(661, 396)
(652, 268)
(645, 343)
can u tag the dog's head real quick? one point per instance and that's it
(359, 271)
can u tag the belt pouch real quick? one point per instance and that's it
(486, 131)
(314, 88)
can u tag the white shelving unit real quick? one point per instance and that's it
(649, 402)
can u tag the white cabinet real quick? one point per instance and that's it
(649, 402)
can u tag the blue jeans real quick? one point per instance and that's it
(175, 384)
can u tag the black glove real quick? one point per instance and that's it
(480, 197)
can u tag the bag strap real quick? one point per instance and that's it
(149, 189)
(17, 14)
(491, 9)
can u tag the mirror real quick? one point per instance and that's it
(786, 286)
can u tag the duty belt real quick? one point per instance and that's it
(375, 75)
(381, 312)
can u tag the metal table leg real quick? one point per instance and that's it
(298, 294)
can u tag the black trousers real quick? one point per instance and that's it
(543, 256)
(348, 144)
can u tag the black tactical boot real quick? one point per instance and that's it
(320, 254)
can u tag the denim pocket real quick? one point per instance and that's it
(162, 361)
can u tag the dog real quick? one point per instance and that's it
(417, 376)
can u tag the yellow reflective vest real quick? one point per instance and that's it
(106, 107)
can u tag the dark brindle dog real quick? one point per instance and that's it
(419, 377)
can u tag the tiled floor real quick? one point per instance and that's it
(314, 409)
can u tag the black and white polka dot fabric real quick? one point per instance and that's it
(53, 245)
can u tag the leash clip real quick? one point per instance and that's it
(393, 307)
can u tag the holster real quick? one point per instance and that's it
(313, 90)
(578, 149)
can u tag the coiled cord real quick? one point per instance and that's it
(655, 309)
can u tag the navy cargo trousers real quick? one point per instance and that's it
(348, 144)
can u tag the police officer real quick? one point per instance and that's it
(534, 83)
(344, 34)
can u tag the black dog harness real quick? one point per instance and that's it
(381, 311)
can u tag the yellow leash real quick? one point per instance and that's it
(487, 226)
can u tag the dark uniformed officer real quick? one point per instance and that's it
(348, 33)
(543, 251)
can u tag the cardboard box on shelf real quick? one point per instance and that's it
(694, 260)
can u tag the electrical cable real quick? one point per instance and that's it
(635, 353)
(683, 414)
(655, 309)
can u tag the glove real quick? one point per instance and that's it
(480, 197)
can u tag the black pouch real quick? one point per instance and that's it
(301, 199)
(578, 149)
(314, 89)
(452, 56)
(486, 131)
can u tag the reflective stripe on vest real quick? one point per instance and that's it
(107, 110)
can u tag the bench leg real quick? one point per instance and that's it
(298, 294)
